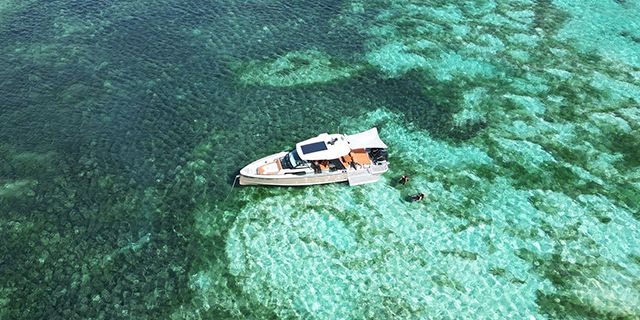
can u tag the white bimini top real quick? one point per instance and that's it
(333, 146)
(366, 139)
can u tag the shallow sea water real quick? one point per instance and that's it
(125, 122)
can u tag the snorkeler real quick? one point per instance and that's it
(417, 197)
(404, 179)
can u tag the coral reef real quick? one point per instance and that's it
(478, 241)
(296, 68)
(124, 125)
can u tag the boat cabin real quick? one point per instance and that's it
(329, 152)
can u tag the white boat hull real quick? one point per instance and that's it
(292, 180)
(249, 175)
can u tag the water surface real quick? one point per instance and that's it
(125, 122)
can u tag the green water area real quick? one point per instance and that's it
(124, 123)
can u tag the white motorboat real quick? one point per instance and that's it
(358, 158)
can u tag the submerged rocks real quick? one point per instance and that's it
(395, 59)
(485, 234)
(296, 68)
(17, 188)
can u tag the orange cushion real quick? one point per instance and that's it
(360, 156)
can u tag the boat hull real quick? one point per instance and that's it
(249, 175)
(294, 180)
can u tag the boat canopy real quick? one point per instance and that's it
(333, 146)
(323, 147)
(366, 139)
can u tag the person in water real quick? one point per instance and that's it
(417, 197)
(404, 179)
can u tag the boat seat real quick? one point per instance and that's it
(324, 165)
(346, 160)
(270, 168)
(360, 156)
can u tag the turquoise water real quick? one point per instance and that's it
(124, 124)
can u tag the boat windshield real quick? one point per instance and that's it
(293, 159)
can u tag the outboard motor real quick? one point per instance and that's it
(378, 155)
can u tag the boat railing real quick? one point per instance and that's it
(379, 168)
